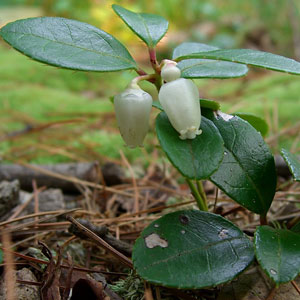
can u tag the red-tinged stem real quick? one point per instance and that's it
(153, 60)
(141, 72)
(156, 67)
(263, 220)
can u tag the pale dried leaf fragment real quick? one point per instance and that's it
(154, 240)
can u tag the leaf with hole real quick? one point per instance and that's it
(194, 158)
(205, 68)
(247, 173)
(248, 57)
(277, 251)
(292, 162)
(68, 44)
(210, 249)
(258, 123)
(150, 28)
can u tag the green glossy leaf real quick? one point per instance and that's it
(296, 228)
(188, 48)
(247, 173)
(191, 249)
(68, 44)
(292, 162)
(210, 104)
(277, 251)
(203, 68)
(258, 123)
(249, 57)
(150, 28)
(1, 256)
(204, 103)
(197, 158)
(157, 105)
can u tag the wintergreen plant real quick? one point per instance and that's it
(189, 248)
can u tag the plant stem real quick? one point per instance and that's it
(156, 67)
(136, 80)
(153, 60)
(216, 200)
(141, 72)
(158, 83)
(200, 202)
(201, 192)
(263, 220)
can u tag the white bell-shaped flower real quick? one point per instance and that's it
(169, 71)
(133, 108)
(180, 100)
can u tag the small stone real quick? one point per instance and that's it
(9, 195)
(22, 291)
(49, 200)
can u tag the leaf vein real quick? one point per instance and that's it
(75, 46)
(189, 251)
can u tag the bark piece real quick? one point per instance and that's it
(89, 171)
(102, 231)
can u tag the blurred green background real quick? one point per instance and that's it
(33, 95)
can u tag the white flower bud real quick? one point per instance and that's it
(133, 108)
(169, 71)
(180, 101)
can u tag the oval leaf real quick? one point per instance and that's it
(292, 162)
(258, 123)
(191, 249)
(205, 68)
(202, 68)
(277, 251)
(296, 228)
(150, 28)
(157, 105)
(247, 173)
(68, 43)
(210, 104)
(197, 158)
(188, 48)
(249, 57)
